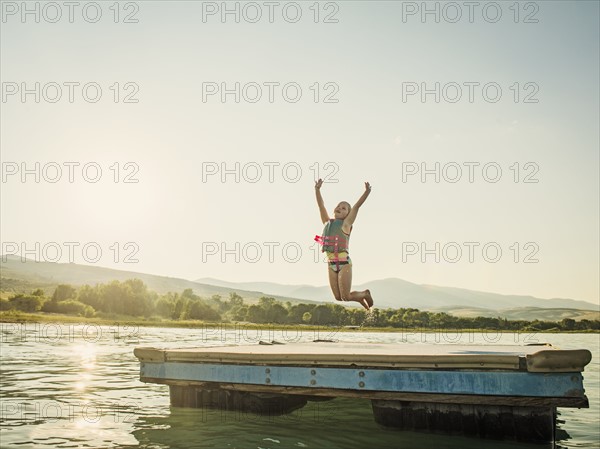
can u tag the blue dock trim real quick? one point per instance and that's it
(490, 383)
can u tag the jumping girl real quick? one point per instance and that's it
(335, 239)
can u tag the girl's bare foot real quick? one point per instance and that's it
(369, 298)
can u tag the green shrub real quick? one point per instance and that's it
(26, 303)
(5, 304)
(69, 307)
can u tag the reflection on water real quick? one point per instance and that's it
(341, 423)
(78, 386)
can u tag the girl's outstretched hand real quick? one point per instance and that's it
(318, 184)
(367, 187)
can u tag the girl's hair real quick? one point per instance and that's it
(349, 205)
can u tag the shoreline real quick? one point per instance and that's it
(22, 317)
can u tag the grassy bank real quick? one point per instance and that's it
(22, 317)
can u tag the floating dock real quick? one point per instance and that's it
(503, 392)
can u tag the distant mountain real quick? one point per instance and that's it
(396, 293)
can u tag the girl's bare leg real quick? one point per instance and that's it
(345, 283)
(333, 283)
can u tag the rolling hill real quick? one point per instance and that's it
(43, 274)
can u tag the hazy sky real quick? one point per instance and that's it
(517, 92)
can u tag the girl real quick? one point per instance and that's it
(335, 243)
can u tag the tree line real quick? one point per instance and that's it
(132, 298)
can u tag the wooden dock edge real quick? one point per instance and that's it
(520, 401)
(538, 362)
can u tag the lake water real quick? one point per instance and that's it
(71, 386)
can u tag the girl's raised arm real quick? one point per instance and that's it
(354, 211)
(322, 210)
